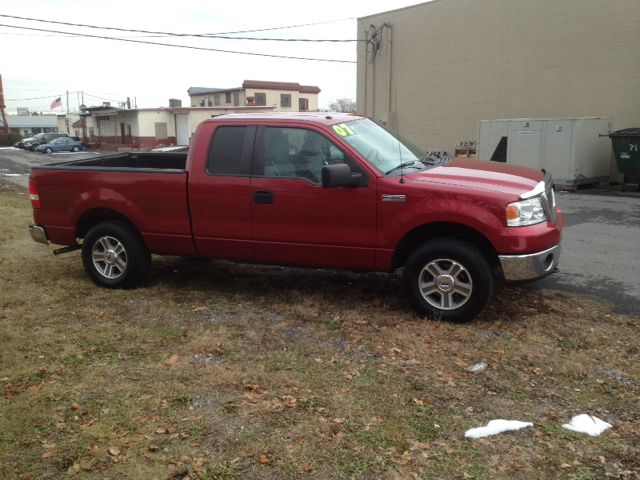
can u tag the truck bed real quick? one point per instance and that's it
(149, 189)
(126, 162)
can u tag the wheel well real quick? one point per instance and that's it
(424, 233)
(95, 216)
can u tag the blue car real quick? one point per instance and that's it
(62, 144)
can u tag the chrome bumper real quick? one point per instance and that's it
(517, 268)
(38, 234)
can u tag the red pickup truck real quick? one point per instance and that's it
(311, 190)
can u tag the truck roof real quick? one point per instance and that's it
(324, 118)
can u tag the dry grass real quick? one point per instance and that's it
(214, 370)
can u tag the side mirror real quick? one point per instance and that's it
(339, 175)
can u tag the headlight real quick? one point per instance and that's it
(525, 212)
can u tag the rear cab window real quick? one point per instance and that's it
(230, 151)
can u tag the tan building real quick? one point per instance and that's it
(280, 96)
(438, 68)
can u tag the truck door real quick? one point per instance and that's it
(297, 221)
(220, 192)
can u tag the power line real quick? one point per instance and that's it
(35, 98)
(201, 35)
(107, 99)
(180, 46)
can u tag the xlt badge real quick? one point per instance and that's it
(393, 198)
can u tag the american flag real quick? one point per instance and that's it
(56, 103)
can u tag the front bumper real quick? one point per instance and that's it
(529, 267)
(38, 233)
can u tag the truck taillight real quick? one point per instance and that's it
(34, 195)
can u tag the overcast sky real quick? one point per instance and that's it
(41, 64)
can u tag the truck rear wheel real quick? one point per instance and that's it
(449, 279)
(114, 255)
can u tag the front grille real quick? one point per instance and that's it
(549, 198)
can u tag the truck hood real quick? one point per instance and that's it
(483, 175)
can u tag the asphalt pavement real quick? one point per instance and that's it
(600, 246)
(600, 255)
(15, 163)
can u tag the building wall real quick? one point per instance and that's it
(274, 98)
(108, 132)
(28, 125)
(197, 116)
(196, 100)
(455, 62)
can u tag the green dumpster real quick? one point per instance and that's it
(625, 146)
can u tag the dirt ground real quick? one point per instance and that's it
(213, 370)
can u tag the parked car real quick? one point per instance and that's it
(41, 139)
(353, 198)
(62, 144)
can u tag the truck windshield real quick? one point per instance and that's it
(380, 148)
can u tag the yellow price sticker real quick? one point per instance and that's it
(343, 130)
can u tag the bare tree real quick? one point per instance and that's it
(342, 104)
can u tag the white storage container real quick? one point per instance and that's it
(569, 148)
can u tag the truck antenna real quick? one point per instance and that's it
(395, 102)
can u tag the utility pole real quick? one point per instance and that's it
(4, 128)
(67, 101)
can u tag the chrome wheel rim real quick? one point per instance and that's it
(445, 284)
(109, 257)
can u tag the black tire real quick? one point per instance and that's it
(32, 148)
(48, 150)
(114, 255)
(75, 148)
(449, 279)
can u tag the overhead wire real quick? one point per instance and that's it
(374, 43)
(35, 98)
(200, 35)
(181, 46)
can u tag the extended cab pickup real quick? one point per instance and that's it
(312, 190)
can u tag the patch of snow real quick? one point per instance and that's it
(495, 427)
(169, 149)
(11, 174)
(12, 148)
(587, 424)
(479, 367)
(69, 152)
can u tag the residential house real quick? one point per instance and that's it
(123, 129)
(281, 96)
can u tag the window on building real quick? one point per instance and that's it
(216, 99)
(303, 104)
(228, 97)
(236, 99)
(103, 117)
(161, 130)
(285, 100)
(261, 99)
(225, 154)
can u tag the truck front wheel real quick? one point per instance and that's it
(449, 279)
(114, 255)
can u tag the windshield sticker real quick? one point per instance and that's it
(343, 130)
